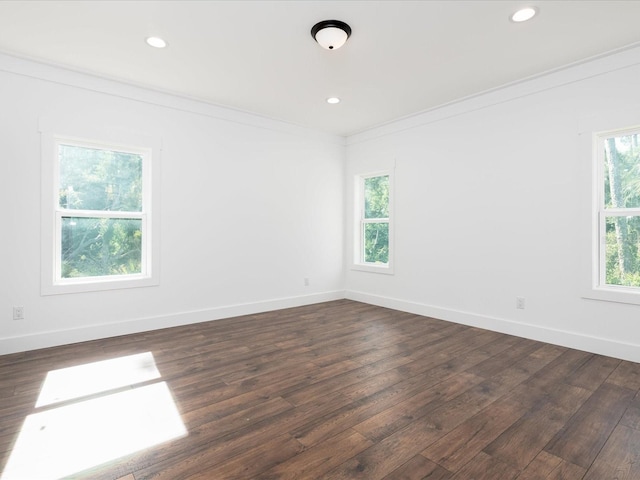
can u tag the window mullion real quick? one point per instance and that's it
(98, 214)
(375, 220)
(621, 212)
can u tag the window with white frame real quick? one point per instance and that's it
(100, 214)
(373, 246)
(617, 222)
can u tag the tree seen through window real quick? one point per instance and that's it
(100, 205)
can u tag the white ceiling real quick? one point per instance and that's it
(403, 57)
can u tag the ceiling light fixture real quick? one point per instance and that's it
(331, 34)
(333, 100)
(156, 42)
(524, 14)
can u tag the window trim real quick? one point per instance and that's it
(51, 213)
(597, 288)
(358, 262)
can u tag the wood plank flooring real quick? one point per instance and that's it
(345, 390)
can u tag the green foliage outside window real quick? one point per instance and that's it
(376, 206)
(99, 180)
(96, 179)
(100, 246)
(376, 197)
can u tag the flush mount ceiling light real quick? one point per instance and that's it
(333, 100)
(331, 34)
(524, 14)
(156, 42)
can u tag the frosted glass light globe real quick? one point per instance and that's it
(331, 38)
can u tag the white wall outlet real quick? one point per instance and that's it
(520, 303)
(306, 281)
(18, 313)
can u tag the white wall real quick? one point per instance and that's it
(490, 204)
(249, 208)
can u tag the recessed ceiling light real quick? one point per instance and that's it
(156, 42)
(333, 100)
(524, 14)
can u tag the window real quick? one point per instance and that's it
(100, 216)
(618, 211)
(373, 228)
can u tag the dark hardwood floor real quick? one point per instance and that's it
(345, 390)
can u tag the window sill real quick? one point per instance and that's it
(373, 268)
(628, 295)
(82, 286)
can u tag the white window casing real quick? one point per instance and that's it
(361, 221)
(53, 214)
(595, 284)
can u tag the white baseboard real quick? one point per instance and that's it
(93, 332)
(578, 341)
(602, 346)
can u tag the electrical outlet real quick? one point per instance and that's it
(520, 303)
(306, 281)
(18, 313)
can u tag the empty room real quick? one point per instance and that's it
(320, 240)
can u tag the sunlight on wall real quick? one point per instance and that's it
(81, 434)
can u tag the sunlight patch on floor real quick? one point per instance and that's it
(91, 378)
(60, 441)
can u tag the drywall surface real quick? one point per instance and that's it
(493, 202)
(248, 209)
